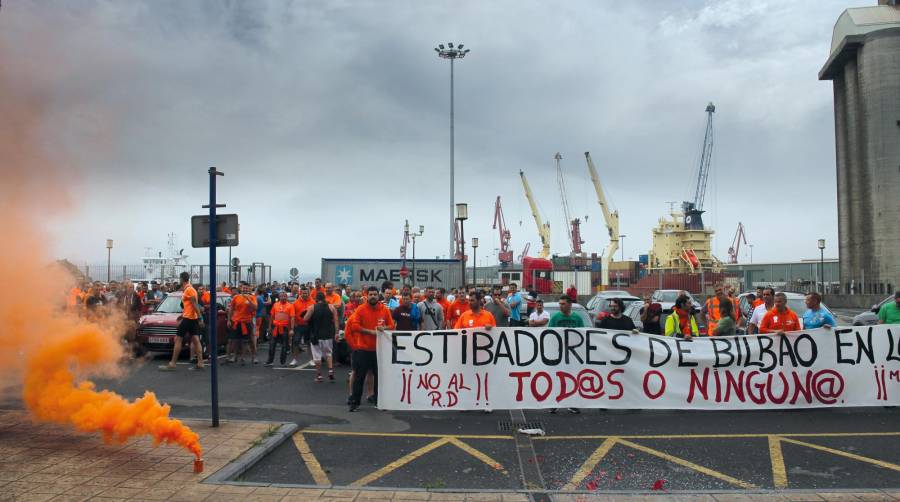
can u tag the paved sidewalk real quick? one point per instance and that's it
(48, 462)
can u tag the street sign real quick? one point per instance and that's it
(294, 272)
(235, 261)
(404, 271)
(226, 230)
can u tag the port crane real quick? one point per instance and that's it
(573, 226)
(610, 217)
(543, 228)
(505, 256)
(739, 236)
(693, 210)
(525, 251)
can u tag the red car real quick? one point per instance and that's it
(156, 330)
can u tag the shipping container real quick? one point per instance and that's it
(563, 279)
(365, 272)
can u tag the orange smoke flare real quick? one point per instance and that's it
(51, 395)
(49, 351)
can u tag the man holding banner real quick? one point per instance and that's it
(366, 324)
(476, 316)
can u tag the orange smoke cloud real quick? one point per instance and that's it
(50, 352)
(51, 394)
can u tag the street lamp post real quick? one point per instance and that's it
(474, 260)
(622, 244)
(751, 253)
(109, 244)
(462, 214)
(451, 53)
(822, 264)
(414, 235)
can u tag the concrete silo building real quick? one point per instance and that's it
(864, 67)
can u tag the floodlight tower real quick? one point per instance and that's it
(452, 53)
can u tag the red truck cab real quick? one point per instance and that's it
(537, 273)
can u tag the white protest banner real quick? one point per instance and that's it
(508, 368)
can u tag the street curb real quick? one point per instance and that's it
(249, 458)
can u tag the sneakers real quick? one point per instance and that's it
(293, 363)
(318, 378)
(167, 367)
(353, 407)
(372, 399)
(330, 377)
(268, 364)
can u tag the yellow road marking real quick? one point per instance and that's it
(779, 473)
(404, 435)
(590, 464)
(493, 464)
(720, 436)
(312, 463)
(400, 462)
(690, 465)
(879, 463)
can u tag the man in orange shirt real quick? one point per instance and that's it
(281, 327)
(475, 317)
(780, 318)
(226, 289)
(440, 296)
(189, 324)
(240, 321)
(456, 309)
(366, 324)
(301, 328)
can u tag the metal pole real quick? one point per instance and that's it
(230, 270)
(452, 167)
(414, 261)
(474, 266)
(822, 269)
(462, 259)
(108, 263)
(211, 325)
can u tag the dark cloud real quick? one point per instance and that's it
(331, 119)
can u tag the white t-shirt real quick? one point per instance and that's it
(758, 314)
(539, 317)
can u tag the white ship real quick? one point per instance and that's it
(165, 268)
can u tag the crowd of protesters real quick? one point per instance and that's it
(340, 324)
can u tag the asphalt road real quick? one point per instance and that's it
(596, 450)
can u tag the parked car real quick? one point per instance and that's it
(553, 307)
(870, 316)
(633, 310)
(156, 330)
(597, 306)
(795, 301)
(666, 298)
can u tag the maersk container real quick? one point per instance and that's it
(365, 272)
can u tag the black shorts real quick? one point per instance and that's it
(188, 328)
(241, 331)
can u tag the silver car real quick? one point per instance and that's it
(870, 316)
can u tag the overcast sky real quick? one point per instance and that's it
(331, 120)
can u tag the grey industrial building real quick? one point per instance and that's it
(864, 67)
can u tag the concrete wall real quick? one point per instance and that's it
(861, 302)
(867, 137)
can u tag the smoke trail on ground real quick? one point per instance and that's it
(48, 350)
